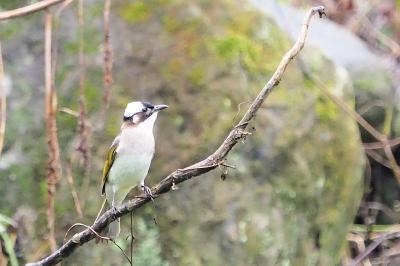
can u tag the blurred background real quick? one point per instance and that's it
(315, 184)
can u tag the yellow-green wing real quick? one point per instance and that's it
(111, 154)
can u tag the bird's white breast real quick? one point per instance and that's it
(134, 154)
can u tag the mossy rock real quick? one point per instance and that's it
(297, 179)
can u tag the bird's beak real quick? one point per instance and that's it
(159, 107)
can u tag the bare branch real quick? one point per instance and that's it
(379, 145)
(181, 175)
(53, 165)
(26, 10)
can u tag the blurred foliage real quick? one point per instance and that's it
(7, 243)
(138, 11)
(148, 251)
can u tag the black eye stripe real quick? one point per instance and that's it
(143, 113)
(148, 105)
(126, 118)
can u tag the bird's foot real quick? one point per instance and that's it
(148, 192)
(114, 211)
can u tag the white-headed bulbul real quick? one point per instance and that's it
(129, 157)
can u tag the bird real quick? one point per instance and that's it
(129, 156)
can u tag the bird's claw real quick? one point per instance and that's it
(147, 191)
(114, 211)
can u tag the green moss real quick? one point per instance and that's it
(229, 47)
(235, 47)
(326, 110)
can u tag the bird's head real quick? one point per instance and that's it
(138, 112)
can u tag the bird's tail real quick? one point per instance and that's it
(114, 229)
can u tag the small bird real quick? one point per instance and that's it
(129, 157)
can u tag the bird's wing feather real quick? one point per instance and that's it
(111, 155)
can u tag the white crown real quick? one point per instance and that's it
(133, 108)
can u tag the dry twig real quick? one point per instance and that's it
(379, 145)
(206, 165)
(53, 167)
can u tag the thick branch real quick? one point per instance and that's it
(181, 175)
(26, 10)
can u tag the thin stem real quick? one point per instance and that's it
(132, 238)
(3, 103)
(53, 166)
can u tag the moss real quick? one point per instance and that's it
(326, 110)
(233, 45)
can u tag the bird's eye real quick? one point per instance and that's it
(144, 109)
